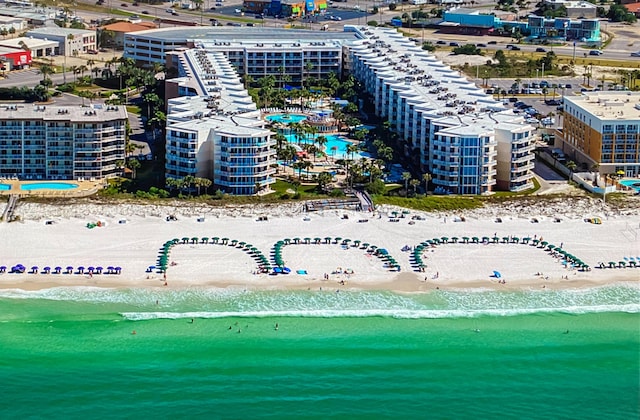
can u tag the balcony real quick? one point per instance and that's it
(522, 159)
(522, 178)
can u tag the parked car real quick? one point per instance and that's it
(635, 54)
(540, 49)
(515, 100)
(454, 44)
(481, 45)
(441, 42)
(568, 86)
(544, 84)
(492, 42)
(595, 52)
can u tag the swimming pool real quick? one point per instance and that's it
(336, 146)
(48, 186)
(5, 187)
(286, 118)
(631, 183)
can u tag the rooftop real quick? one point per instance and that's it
(32, 43)
(95, 113)
(609, 105)
(56, 31)
(431, 86)
(129, 27)
(239, 34)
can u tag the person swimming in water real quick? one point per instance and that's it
(276, 328)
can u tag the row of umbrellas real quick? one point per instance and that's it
(419, 249)
(19, 268)
(382, 253)
(165, 251)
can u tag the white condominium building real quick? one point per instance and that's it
(468, 141)
(54, 142)
(214, 130)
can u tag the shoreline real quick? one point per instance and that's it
(130, 236)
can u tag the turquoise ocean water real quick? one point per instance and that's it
(70, 353)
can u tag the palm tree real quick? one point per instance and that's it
(414, 183)
(322, 141)
(46, 70)
(426, 177)
(74, 70)
(406, 176)
(298, 165)
(82, 69)
(133, 164)
(351, 149)
(206, 183)
(571, 166)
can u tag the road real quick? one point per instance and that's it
(31, 78)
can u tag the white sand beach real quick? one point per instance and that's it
(131, 236)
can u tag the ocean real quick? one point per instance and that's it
(236, 354)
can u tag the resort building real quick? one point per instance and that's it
(52, 142)
(71, 41)
(469, 141)
(459, 133)
(254, 51)
(214, 129)
(603, 129)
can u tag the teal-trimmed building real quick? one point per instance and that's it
(475, 22)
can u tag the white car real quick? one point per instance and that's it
(635, 54)
(169, 10)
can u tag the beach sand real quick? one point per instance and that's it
(132, 235)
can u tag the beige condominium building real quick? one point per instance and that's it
(602, 129)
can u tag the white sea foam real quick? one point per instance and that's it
(385, 313)
(138, 304)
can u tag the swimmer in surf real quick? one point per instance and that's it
(276, 328)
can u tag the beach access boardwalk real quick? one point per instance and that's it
(9, 211)
(352, 203)
(360, 201)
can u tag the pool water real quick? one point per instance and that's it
(286, 118)
(336, 146)
(5, 187)
(631, 183)
(48, 186)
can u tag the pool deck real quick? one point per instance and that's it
(85, 188)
